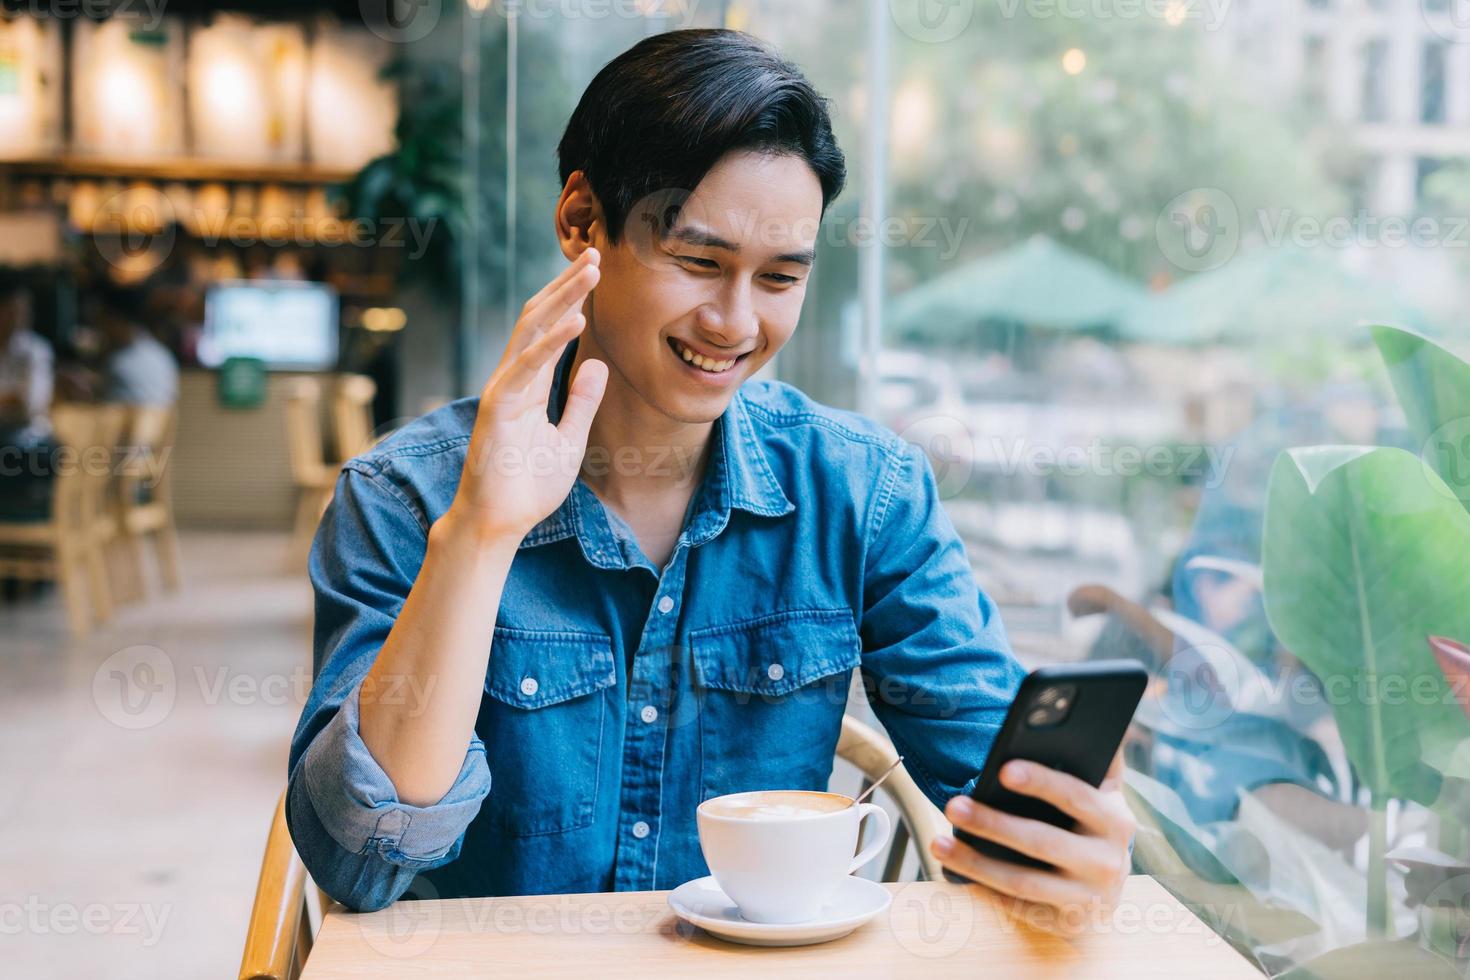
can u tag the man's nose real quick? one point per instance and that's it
(730, 320)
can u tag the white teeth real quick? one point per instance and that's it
(702, 362)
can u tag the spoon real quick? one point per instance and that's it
(886, 773)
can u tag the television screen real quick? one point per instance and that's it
(291, 326)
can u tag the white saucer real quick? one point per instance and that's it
(702, 903)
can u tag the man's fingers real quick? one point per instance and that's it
(1085, 857)
(523, 369)
(582, 401)
(591, 255)
(1114, 778)
(1077, 799)
(547, 307)
(1031, 884)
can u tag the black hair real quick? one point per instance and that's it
(657, 118)
(125, 302)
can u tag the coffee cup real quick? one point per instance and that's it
(780, 855)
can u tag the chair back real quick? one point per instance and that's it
(304, 430)
(89, 434)
(279, 936)
(352, 415)
(919, 821)
(150, 435)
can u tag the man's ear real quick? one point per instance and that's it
(579, 220)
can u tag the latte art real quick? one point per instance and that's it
(777, 805)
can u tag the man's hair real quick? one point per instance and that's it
(658, 117)
(124, 302)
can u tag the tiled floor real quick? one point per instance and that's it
(140, 767)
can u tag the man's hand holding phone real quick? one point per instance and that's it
(1089, 862)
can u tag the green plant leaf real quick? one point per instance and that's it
(1365, 554)
(1433, 385)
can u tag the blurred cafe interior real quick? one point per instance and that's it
(1121, 276)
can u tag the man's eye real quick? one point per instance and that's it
(782, 279)
(699, 261)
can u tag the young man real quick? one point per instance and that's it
(553, 620)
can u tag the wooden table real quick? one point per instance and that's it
(932, 929)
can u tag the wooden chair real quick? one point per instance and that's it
(146, 465)
(280, 934)
(919, 821)
(69, 546)
(352, 415)
(314, 477)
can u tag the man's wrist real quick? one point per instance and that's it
(456, 538)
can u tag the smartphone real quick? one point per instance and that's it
(1071, 718)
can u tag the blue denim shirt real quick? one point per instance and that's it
(620, 695)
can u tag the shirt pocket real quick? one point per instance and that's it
(543, 728)
(771, 693)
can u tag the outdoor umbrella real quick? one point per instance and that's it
(1038, 284)
(1268, 293)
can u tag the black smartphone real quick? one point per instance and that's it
(1071, 718)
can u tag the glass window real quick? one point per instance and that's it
(1122, 300)
(1432, 84)
(1374, 96)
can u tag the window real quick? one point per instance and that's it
(1117, 290)
(1432, 83)
(1374, 97)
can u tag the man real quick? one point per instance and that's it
(553, 620)
(26, 371)
(27, 377)
(139, 370)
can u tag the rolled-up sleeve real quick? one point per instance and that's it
(937, 665)
(361, 844)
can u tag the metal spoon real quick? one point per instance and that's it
(886, 773)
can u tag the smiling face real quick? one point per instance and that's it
(683, 318)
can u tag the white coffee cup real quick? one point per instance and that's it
(780, 855)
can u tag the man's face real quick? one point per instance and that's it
(724, 285)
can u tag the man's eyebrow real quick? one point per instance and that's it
(691, 235)
(805, 257)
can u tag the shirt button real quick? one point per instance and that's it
(529, 686)
(640, 830)
(665, 604)
(649, 714)
(775, 672)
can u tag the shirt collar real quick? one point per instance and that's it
(738, 476)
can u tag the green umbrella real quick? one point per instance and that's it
(1268, 293)
(1038, 283)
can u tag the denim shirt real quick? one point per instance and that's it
(620, 695)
